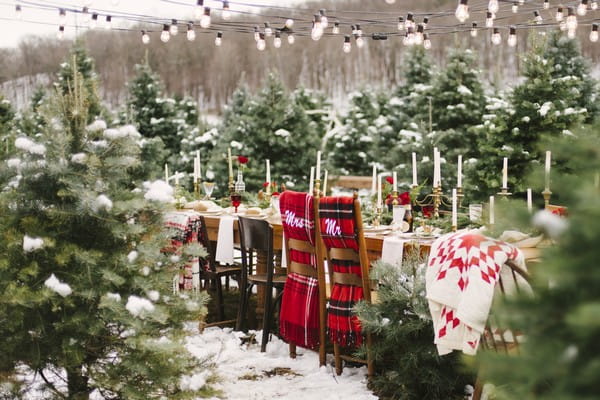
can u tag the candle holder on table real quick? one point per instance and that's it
(435, 199)
(546, 193)
(197, 189)
(378, 212)
(395, 198)
(504, 193)
(459, 197)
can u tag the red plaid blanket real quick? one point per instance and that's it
(338, 230)
(299, 316)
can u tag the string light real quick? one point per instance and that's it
(324, 19)
(559, 14)
(289, 23)
(174, 29)
(199, 9)
(277, 40)
(409, 38)
(225, 12)
(496, 38)
(512, 36)
(401, 22)
(546, 4)
(426, 42)
(61, 32)
(489, 19)
(219, 39)
(291, 38)
(86, 15)
(317, 30)
(108, 23)
(515, 7)
(191, 34)
(268, 30)
(205, 19)
(336, 28)
(94, 21)
(358, 30)
(418, 39)
(594, 33)
(571, 23)
(493, 6)
(18, 12)
(145, 37)
(261, 44)
(582, 7)
(410, 21)
(474, 29)
(165, 35)
(521, 2)
(347, 44)
(256, 33)
(425, 22)
(594, 5)
(62, 16)
(537, 17)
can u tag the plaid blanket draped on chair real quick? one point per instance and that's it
(299, 316)
(338, 230)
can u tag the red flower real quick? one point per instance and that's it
(242, 159)
(427, 211)
(265, 184)
(389, 180)
(560, 211)
(404, 198)
(275, 194)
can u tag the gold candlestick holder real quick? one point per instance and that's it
(459, 197)
(435, 199)
(546, 193)
(197, 189)
(317, 188)
(504, 193)
(378, 212)
(395, 198)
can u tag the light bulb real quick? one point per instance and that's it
(537, 17)
(425, 22)
(512, 37)
(521, 2)
(410, 22)
(546, 4)
(559, 14)
(418, 39)
(493, 6)
(360, 42)
(205, 19)
(277, 40)
(256, 34)
(219, 39)
(474, 29)
(515, 7)
(191, 34)
(347, 44)
(594, 32)
(571, 23)
(94, 21)
(62, 17)
(108, 22)
(174, 29)
(165, 35)
(61, 32)
(426, 42)
(199, 11)
(289, 23)
(336, 28)
(496, 38)
(401, 23)
(582, 7)
(317, 30)
(86, 15)
(226, 12)
(145, 37)
(324, 19)
(594, 5)
(358, 30)
(18, 12)
(268, 29)
(571, 33)
(291, 38)
(409, 38)
(261, 44)
(489, 19)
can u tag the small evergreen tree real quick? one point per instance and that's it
(7, 116)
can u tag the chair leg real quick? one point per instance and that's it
(220, 301)
(338, 358)
(241, 314)
(370, 363)
(292, 347)
(478, 389)
(267, 316)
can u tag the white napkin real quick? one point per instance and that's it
(393, 250)
(224, 254)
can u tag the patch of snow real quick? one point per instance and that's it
(30, 146)
(102, 202)
(31, 244)
(545, 108)
(282, 133)
(137, 306)
(59, 287)
(79, 158)
(132, 256)
(97, 125)
(13, 163)
(193, 382)
(465, 91)
(526, 119)
(113, 296)
(146, 271)
(236, 145)
(153, 295)
(158, 191)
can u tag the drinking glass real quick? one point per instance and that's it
(208, 188)
(236, 200)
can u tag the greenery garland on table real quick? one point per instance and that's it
(407, 363)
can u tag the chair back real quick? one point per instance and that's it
(255, 235)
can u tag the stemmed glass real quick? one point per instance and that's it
(208, 188)
(236, 200)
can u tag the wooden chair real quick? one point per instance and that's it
(213, 272)
(314, 269)
(353, 252)
(256, 236)
(494, 338)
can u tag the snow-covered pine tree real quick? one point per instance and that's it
(85, 294)
(7, 116)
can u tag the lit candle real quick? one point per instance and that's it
(325, 184)
(176, 178)
(529, 201)
(374, 182)
(379, 202)
(195, 170)
(491, 210)
(230, 163)
(505, 173)
(167, 173)
(454, 211)
(199, 165)
(395, 181)
(312, 180)
(414, 168)
(548, 160)
(459, 173)
(318, 173)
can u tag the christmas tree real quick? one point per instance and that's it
(6, 123)
(85, 291)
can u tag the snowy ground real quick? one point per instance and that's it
(248, 374)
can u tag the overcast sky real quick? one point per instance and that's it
(11, 30)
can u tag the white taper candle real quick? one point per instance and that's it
(454, 209)
(414, 169)
(491, 210)
(312, 180)
(505, 173)
(459, 172)
(548, 161)
(529, 201)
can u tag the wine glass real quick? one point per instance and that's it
(208, 188)
(236, 200)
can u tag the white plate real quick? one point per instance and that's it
(211, 212)
(381, 228)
